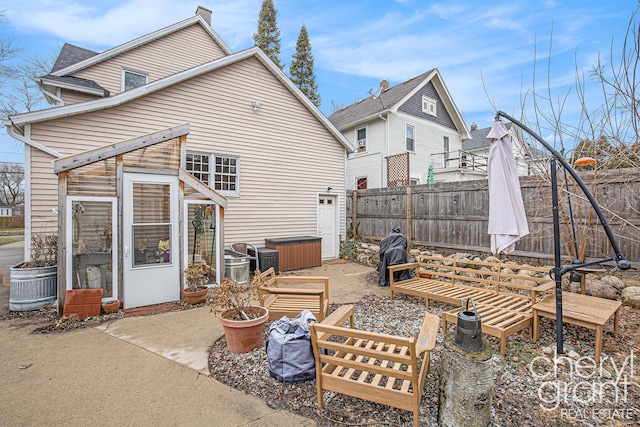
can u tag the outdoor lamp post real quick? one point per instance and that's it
(559, 270)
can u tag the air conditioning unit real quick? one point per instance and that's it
(362, 143)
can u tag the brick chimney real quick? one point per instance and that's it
(384, 84)
(474, 126)
(205, 13)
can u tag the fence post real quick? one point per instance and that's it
(354, 215)
(409, 217)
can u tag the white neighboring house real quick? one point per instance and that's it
(6, 211)
(529, 160)
(417, 117)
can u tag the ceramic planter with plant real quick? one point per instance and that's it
(34, 284)
(196, 275)
(243, 323)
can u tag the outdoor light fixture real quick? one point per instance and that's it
(256, 105)
(621, 262)
(584, 161)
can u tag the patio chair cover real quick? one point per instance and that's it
(289, 349)
(393, 251)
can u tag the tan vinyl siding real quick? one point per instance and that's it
(286, 156)
(71, 97)
(44, 193)
(160, 58)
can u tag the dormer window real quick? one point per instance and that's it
(429, 106)
(132, 80)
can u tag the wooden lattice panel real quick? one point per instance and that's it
(398, 170)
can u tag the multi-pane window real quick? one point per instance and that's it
(219, 172)
(361, 138)
(226, 174)
(132, 80)
(410, 134)
(198, 166)
(429, 105)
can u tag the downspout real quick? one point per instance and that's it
(11, 131)
(56, 98)
(386, 149)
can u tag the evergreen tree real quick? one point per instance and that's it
(301, 69)
(267, 37)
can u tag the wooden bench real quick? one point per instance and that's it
(380, 368)
(582, 310)
(290, 301)
(503, 298)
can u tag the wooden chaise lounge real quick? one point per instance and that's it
(503, 298)
(381, 368)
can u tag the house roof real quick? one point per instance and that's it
(371, 106)
(124, 97)
(391, 99)
(479, 141)
(71, 54)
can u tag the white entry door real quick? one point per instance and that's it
(327, 225)
(150, 239)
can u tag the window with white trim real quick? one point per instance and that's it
(132, 80)
(226, 174)
(198, 166)
(410, 136)
(361, 139)
(429, 106)
(445, 150)
(222, 173)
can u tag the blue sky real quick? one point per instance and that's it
(485, 50)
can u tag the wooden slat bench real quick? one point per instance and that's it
(503, 298)
(380, 368)
(289, 301)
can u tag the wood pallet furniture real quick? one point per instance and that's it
(582, 310)
(380, 368)
(290, 301)
(503, 298)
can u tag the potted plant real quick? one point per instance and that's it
(196, 275)
(110, 307)
(243, 323)
(34, 284)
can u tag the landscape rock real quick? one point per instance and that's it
(601, 289)
(631, 296)
(613, 281)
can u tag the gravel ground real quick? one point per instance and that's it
(519, 395)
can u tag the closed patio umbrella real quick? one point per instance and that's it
(507, 219)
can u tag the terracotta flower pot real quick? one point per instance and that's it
(196, 297)
(111, 307)
(244, 335)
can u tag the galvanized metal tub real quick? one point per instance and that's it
(236, 266)
(32, 288)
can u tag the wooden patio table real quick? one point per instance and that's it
(582, 310)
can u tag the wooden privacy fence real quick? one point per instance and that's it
(455, 215)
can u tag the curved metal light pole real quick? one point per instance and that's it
(559, 270)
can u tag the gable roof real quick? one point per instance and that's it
(391, 99)
(71, 54)
(124, 97)
(92, 60)
(372, 106)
